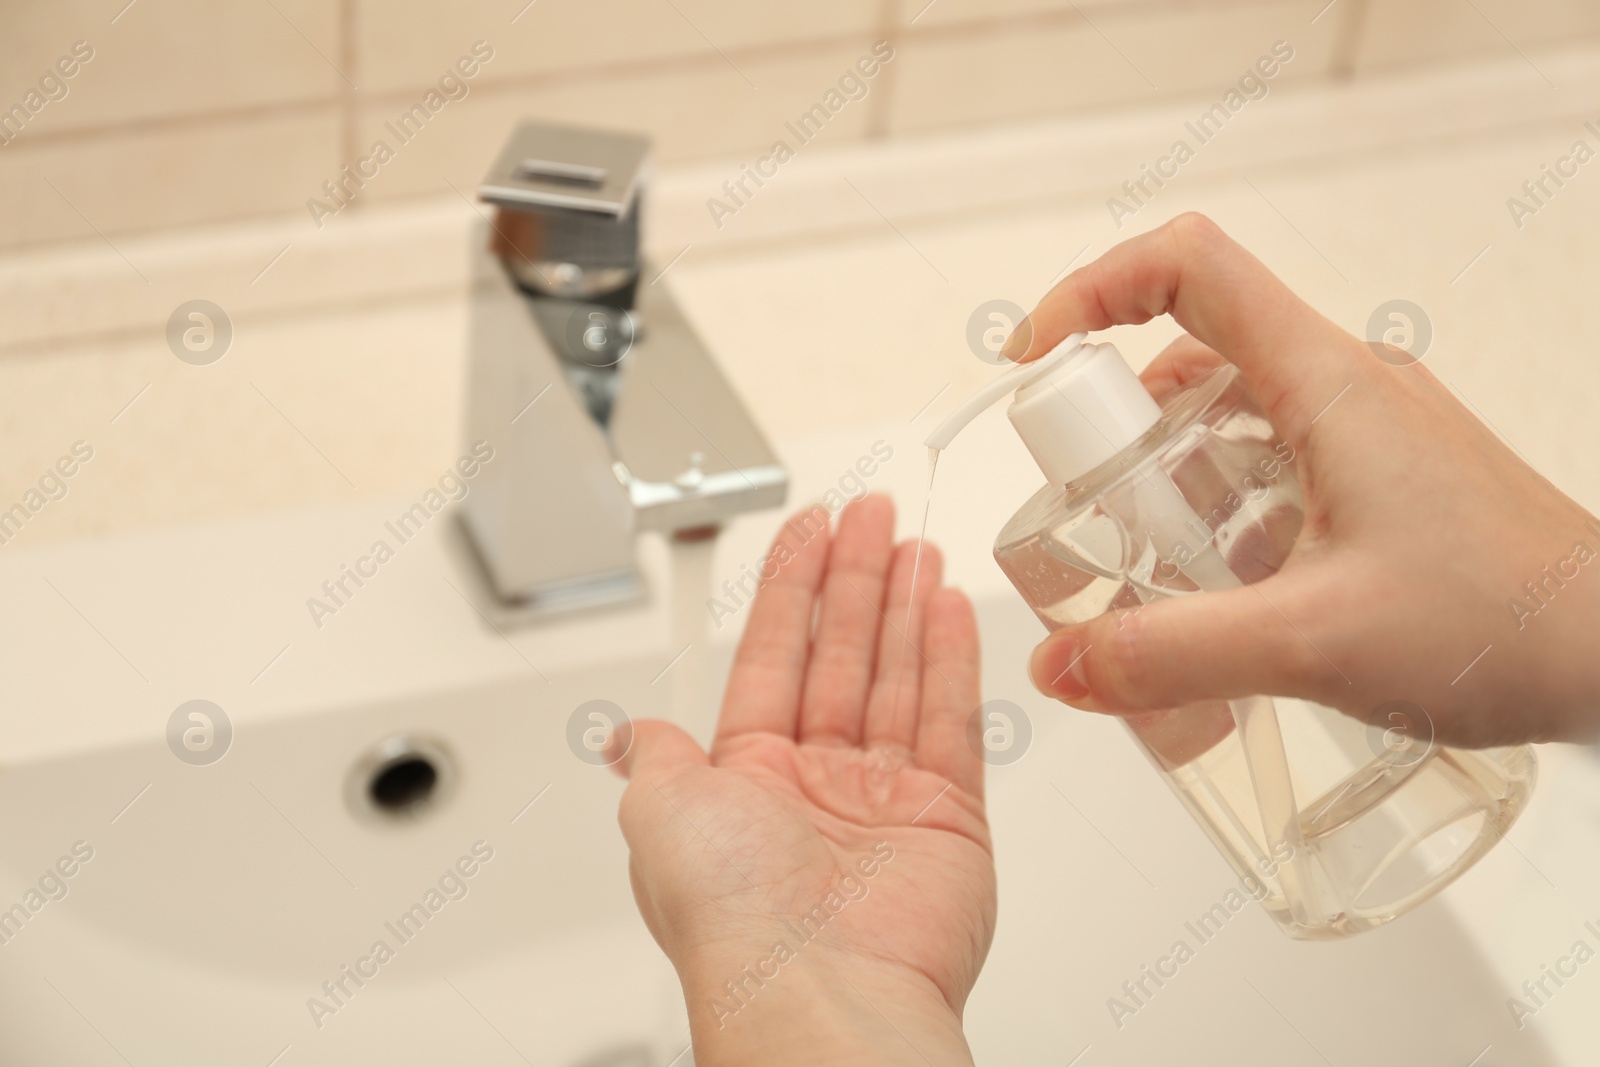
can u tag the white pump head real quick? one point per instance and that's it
(1075, 407)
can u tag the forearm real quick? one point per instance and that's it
(815, 1009)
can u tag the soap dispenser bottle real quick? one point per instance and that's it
(1340, 825)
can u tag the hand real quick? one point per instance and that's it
(1422, 530)
(839, 814)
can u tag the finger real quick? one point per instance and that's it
(1222, 295)
(835, 694)
(652, 750)
(763, 691)
(950, 692)
(1178, 366)
(1223, 645)
(895, 702)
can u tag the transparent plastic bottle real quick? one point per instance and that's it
(1342, 825)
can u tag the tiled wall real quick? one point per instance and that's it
(194, 111)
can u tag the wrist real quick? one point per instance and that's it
(795, 1002)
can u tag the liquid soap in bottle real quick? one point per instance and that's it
(1345, 826)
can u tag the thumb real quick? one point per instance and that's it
(652, 749)
(1218, 646)
(653, 753)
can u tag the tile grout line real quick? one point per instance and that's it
(1346, 50)
(879, 103)
(347, 100)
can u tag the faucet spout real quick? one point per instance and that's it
(607, 413)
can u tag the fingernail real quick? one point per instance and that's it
(1058, 669)
(1017, 344)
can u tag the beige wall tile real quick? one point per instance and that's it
(704, 110)
(994, 72)
(738, 23)
(406, 43)
(1394, 34)
(168, 177)
(1034, 68)
(402, 44)
(1204, 49)
(1421, 31)
(176, 57)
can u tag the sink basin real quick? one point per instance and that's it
(209, 903)
(226, 905)
(238, 889)
(220, 898)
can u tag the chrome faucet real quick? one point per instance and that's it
(606, 412)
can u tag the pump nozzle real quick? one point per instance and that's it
(1012, 380)
(1075, 408)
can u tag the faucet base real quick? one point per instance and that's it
(498, 609)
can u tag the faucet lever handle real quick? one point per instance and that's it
(554, 170)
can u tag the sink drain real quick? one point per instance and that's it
(401, 778)
(404, 785)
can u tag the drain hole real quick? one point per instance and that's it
(400, 779)
(404, 784)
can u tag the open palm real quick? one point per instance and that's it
(840, 811)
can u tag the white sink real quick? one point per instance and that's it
(220, 898)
